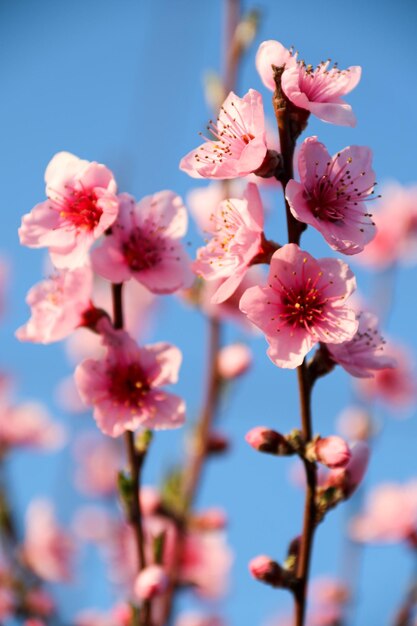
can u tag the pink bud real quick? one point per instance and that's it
(332, 451)
(150, 500)
(349, 478)
(151, 582)
(268, 571)
(264, 439)
(217, 443)
(233, 361)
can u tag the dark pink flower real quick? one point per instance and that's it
(144, 244)
(320, 90)
(332, 194)
(57, 306)
(239, 144)
(237, 229)
(362, 355)
(124, 385)
(302, 304)
(81, 205)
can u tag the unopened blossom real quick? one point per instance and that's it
(263, 568)
(28, 425)
(332, 451)
(144, 244)
(348, 478)
(237, 238)
(395, 386)
(332, 194)
(265, 439)
(124, 386)
(151, 581)
(47, 548)
(390, 514)
(273, 53)
(238, 144)
(82, 204)
(98, 462)
(303, 303)
(365, 353)
(58, 305)
(233, 360)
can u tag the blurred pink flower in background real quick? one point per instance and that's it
(98, 459)
(234, 360)
(28, 424)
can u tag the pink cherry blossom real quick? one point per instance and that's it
(57, 305)
(239, 145)
(332, 451)
(396, 222)
(302, 304)
(365, 353)
(203, 202)
(237, 230)
(144, 244)
(47, 549)
(124, 385)
(320, 90)
(273, 53)
(152, 581)
(98, 461)
(390, 514)
(234, 360)
(332, 194)
(81, 205)
(29, 425)
(395, 386)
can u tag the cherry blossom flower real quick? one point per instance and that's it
(237, 229)
(355, 423)
(47, 549)
(29, 425)
(204, 201)
(124, 385)
(332, 194)
(396, 222)
(395, 386)
(151, 581)
(239, 144)
(98, 461)
(362, 355)
(81, 205)
(390, 514)
(302, 304)
(233, 360)
(144, 244)
(57, 305)
(273, 53)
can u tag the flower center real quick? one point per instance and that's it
(80, 208)
(142, 250)
(128, 385)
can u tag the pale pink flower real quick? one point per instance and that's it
(204, 201)
(234, 360)
(98, 462)
(198, 619)
(237, 237)
(239, 144)
(320, 90)
(390, 514)
(273, 53)
(395, 386)
(364, 354)
(144, 244)
(81, 205)
(332, 451)
(302, 304)
(28, 425)
(396, 222)
(57, 305)
(332, 194)
(152, 581)
(124, 385)
(47, 549)
(355, 423)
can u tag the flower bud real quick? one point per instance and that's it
(233, 361)
(349, 478)
(268, 571)
(332, 451)
(217, 443)
(151, 582)
(264, 439)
